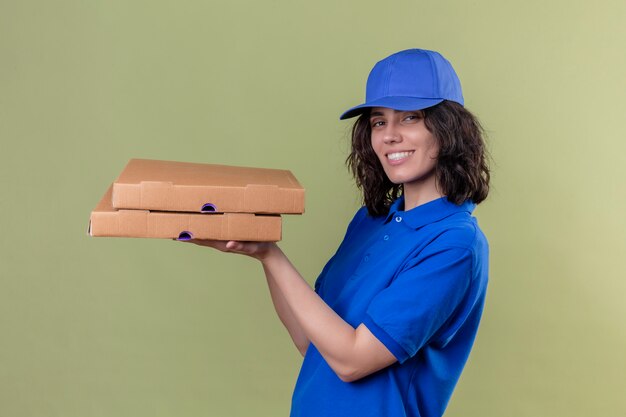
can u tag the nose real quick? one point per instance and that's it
(392, 135)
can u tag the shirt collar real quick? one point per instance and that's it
(427, 213)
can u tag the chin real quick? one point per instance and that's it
(402, 179)
(397, 181)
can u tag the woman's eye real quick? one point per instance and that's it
(411, 117)
(377, 123)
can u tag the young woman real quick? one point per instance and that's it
(390, 323)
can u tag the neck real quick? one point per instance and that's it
(418, 193)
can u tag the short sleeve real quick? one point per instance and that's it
(419, 301)
(320, 279)
(359, 215)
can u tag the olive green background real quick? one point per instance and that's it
(137, 327)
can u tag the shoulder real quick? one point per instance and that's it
(358, 219)
(461, 231)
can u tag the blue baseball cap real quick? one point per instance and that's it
(413, 79)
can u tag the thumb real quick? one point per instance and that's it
(247, 248)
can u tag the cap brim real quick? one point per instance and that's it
(396, 103)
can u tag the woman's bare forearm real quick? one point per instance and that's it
(286, 316)
(351, 353)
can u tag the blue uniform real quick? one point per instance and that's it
(417, 280)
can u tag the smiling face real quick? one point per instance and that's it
(407, 151)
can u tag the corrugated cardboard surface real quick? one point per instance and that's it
(106, 221)
(190, 187)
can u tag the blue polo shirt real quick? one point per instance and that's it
(417, 280)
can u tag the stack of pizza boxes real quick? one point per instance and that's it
(181, 200)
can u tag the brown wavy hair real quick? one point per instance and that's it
(462, 170)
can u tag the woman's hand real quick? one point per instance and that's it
(257, 250)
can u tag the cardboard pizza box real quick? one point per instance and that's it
(191, 187)
(106, 221)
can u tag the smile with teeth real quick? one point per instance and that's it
(396, 156)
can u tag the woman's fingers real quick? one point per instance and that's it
(216, 244)
(257, 250)
(235, 246)
(246, 248)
